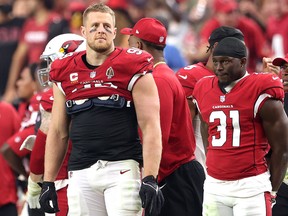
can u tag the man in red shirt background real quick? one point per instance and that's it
(180, 174)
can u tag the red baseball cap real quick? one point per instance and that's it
(148, 29)
(225, 6)
(76, 6)
(117, 4)
(280, 61)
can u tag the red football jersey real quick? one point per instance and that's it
(237, 142)
(176, 126)
(47, 99)
(190, 75)
(38, 152)
(27, 127)
(10, 123)
(117, 75)
(32, 112)
(17, 139)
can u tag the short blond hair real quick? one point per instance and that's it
(99, 7)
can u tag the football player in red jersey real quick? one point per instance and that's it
(283, 64)
(189, 75)
(181, 176)
(28, 91)
(281, 206)
(10, 123)
(101, 95)
(56, 48)
(241, 114)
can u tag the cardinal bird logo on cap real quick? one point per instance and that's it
(70, 46)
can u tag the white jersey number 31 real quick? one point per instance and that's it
(222, 127)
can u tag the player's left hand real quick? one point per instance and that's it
(33, 194)
(48, 196)
(151, 196)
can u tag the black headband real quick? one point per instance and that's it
(231, 47)
(224, 31)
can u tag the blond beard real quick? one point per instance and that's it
(100, 48)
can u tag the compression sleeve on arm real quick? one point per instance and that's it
(37, 154)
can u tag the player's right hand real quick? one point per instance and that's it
(33, 194)
(151, 196)
(269, 67)
(47, 197)
(273, 198)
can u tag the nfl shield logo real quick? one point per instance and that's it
(92, 74)
(222, 98)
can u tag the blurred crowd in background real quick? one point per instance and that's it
(27, 25)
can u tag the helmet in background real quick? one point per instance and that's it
(56, 48)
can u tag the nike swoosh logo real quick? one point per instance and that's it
(162, 186)
(149, 59)
(183, 77)
(124, 171)
(51, 98)
(44, 193)
(275, 78)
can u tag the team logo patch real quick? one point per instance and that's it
(109, 72)
(222, 98)
(70, 46)
(92, 74)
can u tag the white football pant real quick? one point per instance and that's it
(244, 197)
(105, 189)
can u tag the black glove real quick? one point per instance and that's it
(48, 194)
(151, 196)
